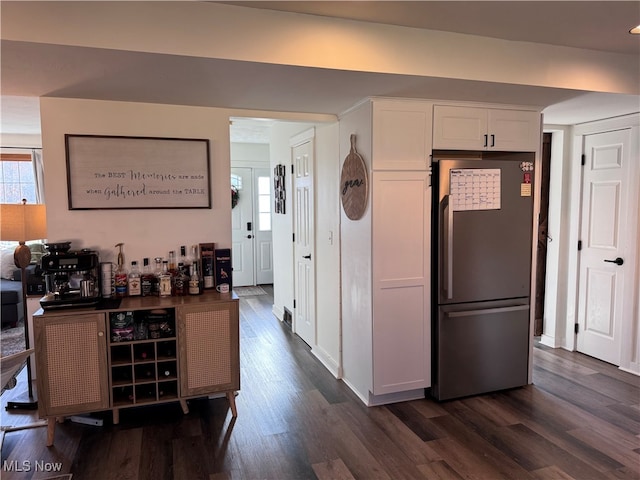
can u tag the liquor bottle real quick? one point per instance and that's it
(120, 276)
(121, 281)
(172, 261)
(134, 287)
(156, 273)
(195, 260)
(194, 280)
(147, 279)
(193, 255)
(184, 259)
(173, 270)
(165, 280)
(180, 282)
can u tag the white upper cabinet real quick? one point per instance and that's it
(473, 128)
(401, 134)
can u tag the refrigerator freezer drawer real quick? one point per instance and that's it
(480, 348)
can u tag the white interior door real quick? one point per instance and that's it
(304, 322)
(602, 303)
(242, 228)
(262, 226)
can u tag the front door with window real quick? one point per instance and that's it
(251, 227)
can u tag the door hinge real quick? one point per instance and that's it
(583, 160)
(294, 237)
(294, 303)
(292, 169)
(576, 327)
(579, 245)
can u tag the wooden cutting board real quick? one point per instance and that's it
(354, 188)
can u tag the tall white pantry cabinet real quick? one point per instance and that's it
(385, 260)
(385, 254)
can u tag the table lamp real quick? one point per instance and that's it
(21, 222)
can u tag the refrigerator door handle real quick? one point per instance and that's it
(487, 311)
(448, 233)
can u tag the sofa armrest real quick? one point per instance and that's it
(32, 269)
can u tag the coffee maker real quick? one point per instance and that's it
(71, 277)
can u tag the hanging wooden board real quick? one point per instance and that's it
(354, 188)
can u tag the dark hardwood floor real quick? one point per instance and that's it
(580, 419)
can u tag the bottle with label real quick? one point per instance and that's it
(121, 278)
(134, 287)
(180, 281)
(156, 273)
(194, 280)
(147, 278)
(165, 280)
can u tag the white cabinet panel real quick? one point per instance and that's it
(473, 128)
(514, 130)
(401, 302)
(401, 135)
(461, 128)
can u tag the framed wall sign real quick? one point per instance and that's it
(113, 172)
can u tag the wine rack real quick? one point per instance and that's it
(144, 370)
(144, 351)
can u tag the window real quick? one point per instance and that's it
(264, 204)
(17, 180)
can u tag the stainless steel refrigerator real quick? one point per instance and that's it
(482, 244)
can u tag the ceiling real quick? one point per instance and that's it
(77, 72)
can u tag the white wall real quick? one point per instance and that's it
(328, 286)
(145, 233)
(250, 155)
(356, 267)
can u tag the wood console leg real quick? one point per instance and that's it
(185, 407)
(51, 430)
(116, 416)
(231, 396)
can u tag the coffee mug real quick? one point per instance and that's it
(223, 288)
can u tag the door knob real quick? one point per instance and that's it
(617, 261)
(249, 236)
(308, 257)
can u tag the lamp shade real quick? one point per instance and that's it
(21, 222)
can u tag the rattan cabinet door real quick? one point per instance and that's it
(208, 345)
(71, 362)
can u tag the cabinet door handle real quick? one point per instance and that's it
(493, 140)
(100, 334)
(486, 140)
